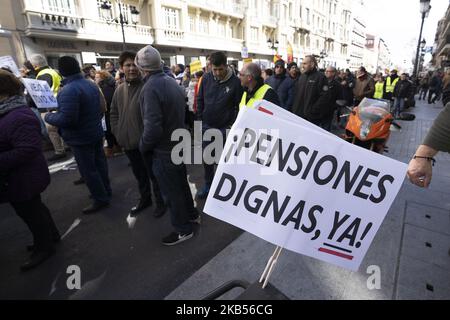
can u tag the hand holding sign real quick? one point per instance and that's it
(41, 93)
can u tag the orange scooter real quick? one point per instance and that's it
(369, 125)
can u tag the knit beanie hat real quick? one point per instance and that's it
(280, 63)
(148, 59)
(68, 66)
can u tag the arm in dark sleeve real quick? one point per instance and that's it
(290, 96)
(439, 135)
(237, 98)
(201, 99)
(151, 109)
(68, 111)
(25, 140)
(46, 77)
(272, 96)
(323, 101)
(114, 114)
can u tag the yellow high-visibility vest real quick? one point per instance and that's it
(378, 90)
(56, 79)
(259, 95)
(390, 86)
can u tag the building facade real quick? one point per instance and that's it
(377, 57)
(186, 30)
(441, 54)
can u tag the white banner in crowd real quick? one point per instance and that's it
(298, 187)
(41, 93)
(8, 62)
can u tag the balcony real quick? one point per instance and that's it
(225, 7)
(45, 24)
(213, 42)
(170, 37)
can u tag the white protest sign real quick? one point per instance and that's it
(8, 62)
(301, 189)
(41, 93)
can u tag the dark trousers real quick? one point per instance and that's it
(144, 175)
(172, 180)
(423, 93)
(430, 96)
(93, 167)
(37, 217)
(110, 139)
(210, 168)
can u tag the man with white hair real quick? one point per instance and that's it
(44, 72)
(162, 103)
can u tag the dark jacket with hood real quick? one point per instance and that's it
(108, 86)
(218, 100)
(403, 89)
(79, 114)
(23, 169)
(311, 98)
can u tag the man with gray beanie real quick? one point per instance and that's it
(162, 103)
(79, 121)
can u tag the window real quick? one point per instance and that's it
(171, 18)
(254, 34)
(307, 16)
(203, 25)
(59, 6)
(192, 23)
(102, 15)
(221, 29)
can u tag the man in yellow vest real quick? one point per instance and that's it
(391, 81)
(254, 87)
(379, 87)
(52, 77)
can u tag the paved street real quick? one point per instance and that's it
(116, 262)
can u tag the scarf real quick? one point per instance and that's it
(12, 103)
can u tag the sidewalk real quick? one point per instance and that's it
(411, 248)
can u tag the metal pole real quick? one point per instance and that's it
(418, 46)
(121, 25)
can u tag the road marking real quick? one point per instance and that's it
(66, 165)
(73, 226)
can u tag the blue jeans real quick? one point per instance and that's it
(172, 180)
(93, 167)
(399, 103)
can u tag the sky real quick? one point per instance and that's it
(398, 23)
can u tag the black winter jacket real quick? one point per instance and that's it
(311, 96)
(218, 101)
(162, 103)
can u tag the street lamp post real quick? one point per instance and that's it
(105, 7)
(424, 10)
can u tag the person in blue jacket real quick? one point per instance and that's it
(79, 121)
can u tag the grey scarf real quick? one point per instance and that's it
(12, 103)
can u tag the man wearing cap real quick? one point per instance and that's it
(276, 81)
(162, 103)
(79, 121)
(286, 89)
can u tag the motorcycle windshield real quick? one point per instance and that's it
(372, 111)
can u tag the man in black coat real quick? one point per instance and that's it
(402, 92)
(311, 100)
(162, 103)
(334, 94)
(217, 105)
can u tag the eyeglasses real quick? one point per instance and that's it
(242, 74)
